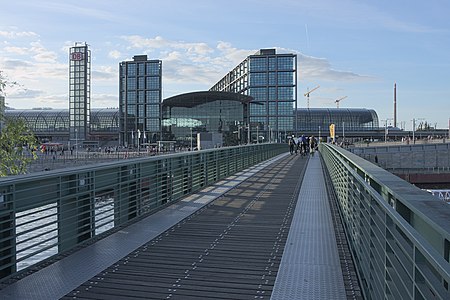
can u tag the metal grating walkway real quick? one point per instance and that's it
(310, 268)
(226, 242)
(230, 249)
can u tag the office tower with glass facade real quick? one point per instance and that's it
(140, 98)
(79, 92)
(271, 79)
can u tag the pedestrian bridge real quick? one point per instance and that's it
(444, 195)
(248, 222)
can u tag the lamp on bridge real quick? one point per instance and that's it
(414, 127)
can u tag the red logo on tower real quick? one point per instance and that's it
(76, 56)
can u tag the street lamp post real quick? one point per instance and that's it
(385, 132)
(343, 133)
(273, 137)
(76, 143)
(319, 135)
(191, 139)
(257, 134)
(240, 134)
(139, 141)
(414, 127)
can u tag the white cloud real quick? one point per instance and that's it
(65, 48)
(137, 41)
(115, 54)
(173, 56)
(228, 57)
(17, 34)
(56, 100)
(42, 54)
(158, 42)
(13, 64)
(46, 56)
(18, 92)
(104, 73)
(16, 50)
(184, 61)
(99, 100)
(200, 63)
(314, 68)
(186, 66)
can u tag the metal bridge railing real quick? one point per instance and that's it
(399, 235)
(47, 213)
(443, 195)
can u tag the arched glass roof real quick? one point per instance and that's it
(350, 119)
(56, 120)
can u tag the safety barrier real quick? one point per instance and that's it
(48, 213)
(399, 235)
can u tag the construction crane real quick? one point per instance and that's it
(339, 100)
(309, 92)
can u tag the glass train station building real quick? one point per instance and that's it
(254, 102)
(187, 114)
(350, 122)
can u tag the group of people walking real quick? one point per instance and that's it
(303, 145)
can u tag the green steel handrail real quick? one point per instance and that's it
(47, 213)
(400, 245)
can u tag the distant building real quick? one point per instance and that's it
(216, 113)
(140, 98)
(53, 124)
(79, 92)
(271, 79)
(350, 122)
(255, 102)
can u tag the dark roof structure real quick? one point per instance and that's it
(193, 99)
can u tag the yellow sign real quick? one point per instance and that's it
(332, 126)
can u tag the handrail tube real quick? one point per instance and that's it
(431, 269)
(135, 188)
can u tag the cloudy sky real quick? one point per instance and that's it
(353, 48)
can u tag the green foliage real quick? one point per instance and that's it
(2, 83)
(17, 142)
(17, 148)
(424, 126)
(5, 82)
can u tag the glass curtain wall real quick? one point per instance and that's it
(219, 116)
(351, 120)
(271, 79)
(140, 101)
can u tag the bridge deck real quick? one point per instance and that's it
(228, 242)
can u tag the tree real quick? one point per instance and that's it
(2, 83)
(5, 82)
(17, 142)
(18, 147)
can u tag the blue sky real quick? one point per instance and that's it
(350, 48)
